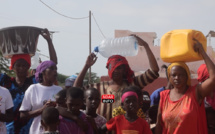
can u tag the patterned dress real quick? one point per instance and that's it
(17, 126)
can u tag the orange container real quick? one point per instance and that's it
(177, 45)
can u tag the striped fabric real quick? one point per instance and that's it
(105, 109)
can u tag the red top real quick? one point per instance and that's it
(184, 116)
(122, 126)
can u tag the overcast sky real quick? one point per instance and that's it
(71, 41)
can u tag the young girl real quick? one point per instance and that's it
(129, 122)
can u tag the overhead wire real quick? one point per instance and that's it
(98, 26)
(61, 13)
(73, 17)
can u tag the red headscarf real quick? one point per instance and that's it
(202, 73)
(16, 57)
(117, 60)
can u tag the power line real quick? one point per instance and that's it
(73, 17)
(63, 14)
(98, 26)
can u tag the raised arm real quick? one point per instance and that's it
(91, 59)
(46, 35)
(152, 61)
(208, 85)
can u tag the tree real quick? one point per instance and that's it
(61, 78)
(94, 78)
(4, 68)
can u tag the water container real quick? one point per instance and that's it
(124, 46)
(177, 45)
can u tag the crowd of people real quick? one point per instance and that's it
(37, 105)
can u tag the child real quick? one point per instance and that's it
(120, 111)
(50, 120)
(129, 122)
(61, 98)
(6, 109)
(74, 101)
(92, 101)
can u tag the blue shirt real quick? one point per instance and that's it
(155, 96)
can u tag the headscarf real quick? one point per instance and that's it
(202, 73)
(117, 60)
(42, 67)
(129, 93)
(16, 57)
(184, 66)
(70, 81)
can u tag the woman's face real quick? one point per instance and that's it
(178, 76)
(118, 73)
(21, 67)
(50, 74)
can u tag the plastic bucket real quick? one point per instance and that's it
(19, 40)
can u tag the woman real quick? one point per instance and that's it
(181, 109)
(121, 76)
(209, 100)
(17, 85)
(39, 96)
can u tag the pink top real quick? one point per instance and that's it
(184, 116)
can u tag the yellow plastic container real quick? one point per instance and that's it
(177, 45)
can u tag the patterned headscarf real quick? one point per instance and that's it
(202, 73)
(16, 57)
(184, 66)
(117, 60)
(42, 67)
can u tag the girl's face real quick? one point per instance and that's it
(130, 105)
(74, 105)
(50, 74)
(178, 76)
(118, 73)
(92, 99)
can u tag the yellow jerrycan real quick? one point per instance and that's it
(177, 45)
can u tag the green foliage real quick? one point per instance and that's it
(4, 68)
(61, 78)
(94, 78)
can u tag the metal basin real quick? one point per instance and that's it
(19, 40)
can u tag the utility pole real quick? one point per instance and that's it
(89, 44)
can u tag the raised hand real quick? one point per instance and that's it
(141, 42)
(91, 59)
(198, 46)
(45, 33)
